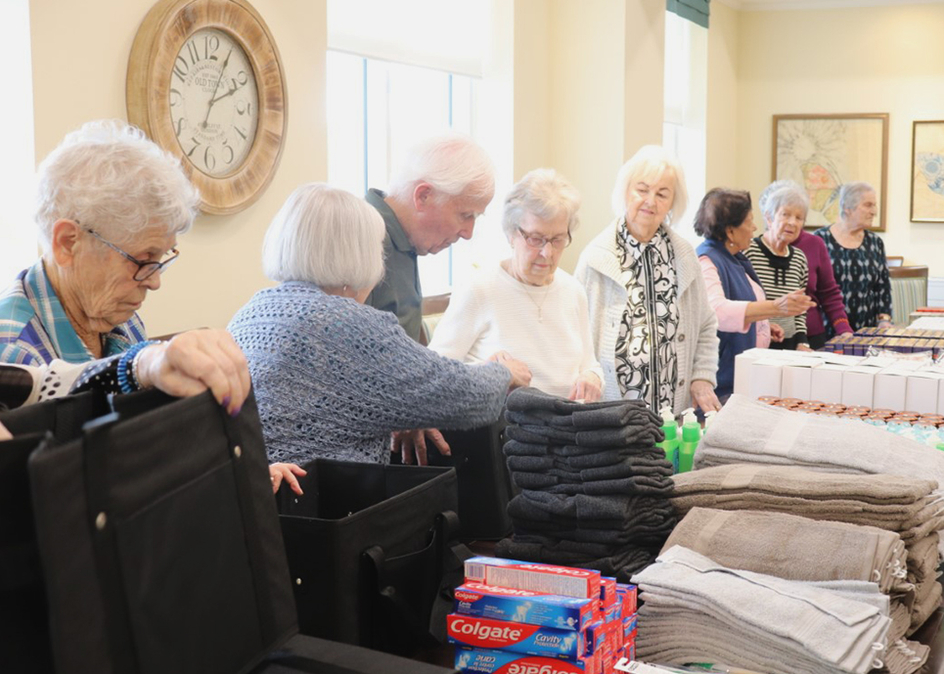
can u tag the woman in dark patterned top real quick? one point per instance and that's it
(858, 258)
(782, 268)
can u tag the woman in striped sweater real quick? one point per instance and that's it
(781, 268)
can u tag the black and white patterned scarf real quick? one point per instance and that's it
(646, 358)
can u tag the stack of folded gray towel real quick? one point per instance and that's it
(759, 457)
(696, 609)
(748, 431)
(907, 507)
(594, 487)
(797, 548)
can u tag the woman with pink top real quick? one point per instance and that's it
(821, 285)
(725, 219)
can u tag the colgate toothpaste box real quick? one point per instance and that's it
(596, 634)
(627, 593)
(546, 578)
(509, 662)
(612, 613)
(629, 627)
(487, 633)
(608, 595)
(523, 606)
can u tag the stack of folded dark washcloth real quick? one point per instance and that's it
(594, 487)
(797, 548)
(696, 610)
(911, 507)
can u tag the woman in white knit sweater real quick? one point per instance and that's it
(653, 329)
(525, 305)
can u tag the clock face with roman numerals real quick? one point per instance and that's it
(205, 82)
(214, 102)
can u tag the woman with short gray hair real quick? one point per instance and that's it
(828, 317)
(332, 377)
(110, 204)
(653, 328)
(858, 258)
(525, 305)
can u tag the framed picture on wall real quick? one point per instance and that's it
(927, 172)
(821, 152)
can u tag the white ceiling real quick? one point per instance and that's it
(770, 5)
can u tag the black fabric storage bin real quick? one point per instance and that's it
(485, 485)
(186, 514)
(159, 540)
(367, 547)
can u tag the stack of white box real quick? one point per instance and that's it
(888, 383)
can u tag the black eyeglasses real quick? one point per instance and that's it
(145, 269)
(538, 242)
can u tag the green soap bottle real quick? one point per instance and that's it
(691, 434)
(671, 442)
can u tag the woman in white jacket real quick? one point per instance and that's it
(654, 332)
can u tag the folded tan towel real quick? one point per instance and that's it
(793, 547)
(923, 559)
(927, 599)
(800, 482)
(905, 657)
(894, 518)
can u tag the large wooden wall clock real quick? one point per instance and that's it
(206, 83)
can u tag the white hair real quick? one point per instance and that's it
(452, 164)
(850, 194)
(326, 236)
(108, 176)
(781, 193)
(546, 194)
(648, 165)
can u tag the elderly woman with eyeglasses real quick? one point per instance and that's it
(654, 331)
(525, 305)
(110, 205)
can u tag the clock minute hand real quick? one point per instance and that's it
(216, 88)
(228, 93)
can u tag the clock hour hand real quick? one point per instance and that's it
(215, 89)
(232, 91)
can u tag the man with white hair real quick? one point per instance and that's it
(444, 184)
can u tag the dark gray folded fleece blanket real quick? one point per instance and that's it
(608, 512)
(579, 458)
(659, 485)
(611, 438)
(562, 412)
(626, 468)
(621, 563)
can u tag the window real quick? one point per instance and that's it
(397, 73)
(17, 231)
(686, 74)
(376, 111)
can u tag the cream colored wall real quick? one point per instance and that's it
(606, 69)
(80, 56)
(722, 110)
(865, 59)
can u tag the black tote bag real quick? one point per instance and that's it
(160, 542)
(369, 550)
(484, 483)
(24, 630)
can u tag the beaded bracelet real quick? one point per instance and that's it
(127, 376)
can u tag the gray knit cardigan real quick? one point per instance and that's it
(333, 378)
